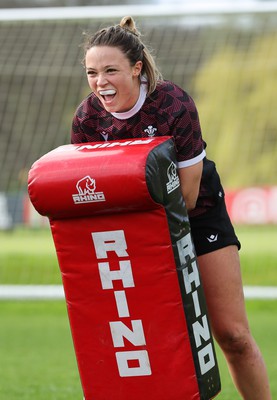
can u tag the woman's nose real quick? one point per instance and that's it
(101, 80)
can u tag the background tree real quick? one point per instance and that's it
(240, 121)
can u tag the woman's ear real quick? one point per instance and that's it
(137, 68)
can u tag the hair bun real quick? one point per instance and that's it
(129, 24)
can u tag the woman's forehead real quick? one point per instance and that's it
(104, 55)
(105, 52)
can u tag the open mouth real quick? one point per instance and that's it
(107, 95)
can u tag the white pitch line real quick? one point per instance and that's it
(260, 292)
(31, 292)
(56, 292)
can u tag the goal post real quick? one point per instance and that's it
(145, 10)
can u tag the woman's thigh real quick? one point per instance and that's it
(221, 278)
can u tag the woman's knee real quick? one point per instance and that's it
(235, 341)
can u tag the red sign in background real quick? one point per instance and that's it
(253, 205)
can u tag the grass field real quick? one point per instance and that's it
(37, 355)
(258, 254)
(38, 360)
(28, 256)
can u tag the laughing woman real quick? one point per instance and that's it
(129, 99)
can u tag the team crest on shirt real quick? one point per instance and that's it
(150, 130)
(86, 188)
(173, 178)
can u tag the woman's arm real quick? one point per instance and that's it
(190, 178)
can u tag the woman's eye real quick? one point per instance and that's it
(111, 70)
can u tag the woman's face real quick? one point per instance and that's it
(111, 77)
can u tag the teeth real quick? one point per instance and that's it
(107, 92)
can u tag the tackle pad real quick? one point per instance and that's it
(135, 301)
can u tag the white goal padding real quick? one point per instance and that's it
(56, 292)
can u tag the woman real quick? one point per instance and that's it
(130, 99)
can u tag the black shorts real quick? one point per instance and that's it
(213, 230)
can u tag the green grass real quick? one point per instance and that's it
(28, 256)
(37, 356)
(38, 360)
(258, 254)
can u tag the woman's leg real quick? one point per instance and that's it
(221, 278)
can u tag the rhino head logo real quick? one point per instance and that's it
(173, 178)
(172, 172)
(86, 185)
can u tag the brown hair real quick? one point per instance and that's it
(127, 38)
